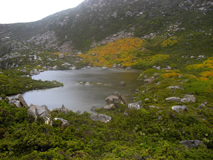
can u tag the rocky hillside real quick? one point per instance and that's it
(98, 22)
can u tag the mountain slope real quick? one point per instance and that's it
(96, 22)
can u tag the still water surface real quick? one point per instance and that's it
(81, 97)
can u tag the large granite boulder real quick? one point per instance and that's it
(100, 117)
(188, 98)
(179, 108)
(137, 105)
(173, 99)
(192, 143)
(64, 124)
(40, 111)
(18, 101)
(22, 101)
(63, 109)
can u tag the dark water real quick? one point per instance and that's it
(81, 97)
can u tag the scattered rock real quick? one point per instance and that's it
(88, 67)
(153, 107)
(78, 112)
(179, 108)
(104, 67)
(108, 107)
(34, 72)
(61, 55)
(149, 80)
(173, 99)
(100, 117)
(122, 83)
(64, 124)
(116, 99)
(40, 111)
(128, 68)
(158, 68)
(192, 143)
(137, 105)
(93, 108)
(188, 98)
(147, 99)
(114, 65)
(174, 87)
(63, 109)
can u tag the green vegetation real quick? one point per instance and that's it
(11, 83)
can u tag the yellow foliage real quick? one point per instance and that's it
(208, 64)
(127, 52)
(169, 75)
(207, 74)
(169, 42)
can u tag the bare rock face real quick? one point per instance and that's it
(100, 117)
(40, 111)
(137, 105)
(192, 143)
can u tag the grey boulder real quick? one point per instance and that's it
(137, 105)
(100, 117)
(192, 143)
(188, 98)
(65, 123)
(40, 111)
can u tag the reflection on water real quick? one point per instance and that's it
(81, 97)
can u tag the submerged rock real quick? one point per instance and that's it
(137, 105)
(100, 117)
(192, 143)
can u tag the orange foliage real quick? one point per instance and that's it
(127, 52)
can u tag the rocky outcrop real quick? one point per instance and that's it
(93, 108)
(40, 111)
(116, 99)
(64, 124)
(18, 101)
(179, 108)
(137, 105)
(188, 98)
(63, 109)
(173, 99)
(109, 107)
(100, 117)
(192, 143)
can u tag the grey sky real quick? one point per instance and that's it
(14, 11)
